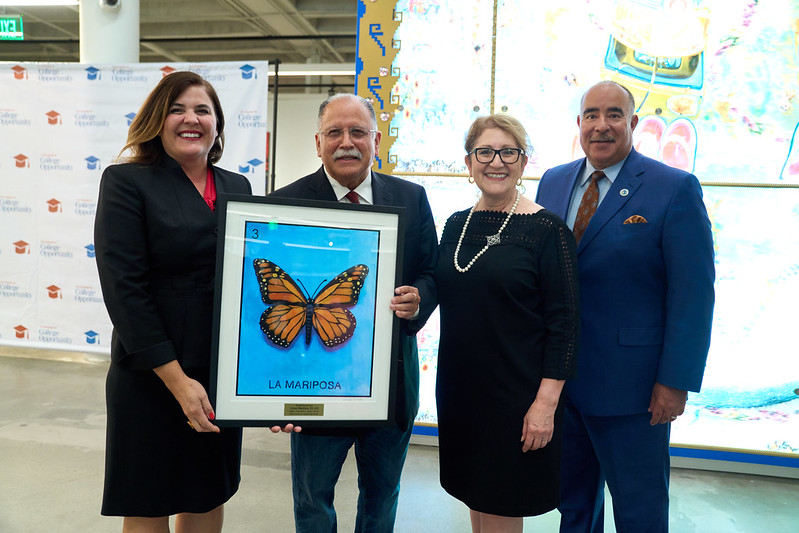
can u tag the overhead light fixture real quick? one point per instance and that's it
(313, 69)
(41, 3)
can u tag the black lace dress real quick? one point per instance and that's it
(509, 321)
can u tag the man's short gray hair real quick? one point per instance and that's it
(367, 104)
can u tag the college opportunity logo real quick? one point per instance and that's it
(248, 72)
(20, 73)
(22, 247)
(92, 337)
(53, 206)
(92, 163)
(93, 73)
(22, 161)
(54, 118)
(249, 166)
(54, 292)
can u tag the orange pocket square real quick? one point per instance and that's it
(635, 219)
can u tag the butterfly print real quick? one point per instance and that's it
(291, 312)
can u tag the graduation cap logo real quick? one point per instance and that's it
(22, 247)
(53, 117)
(130, 117)
(92, 163)
(92, 337)
(167, 70)
(89, 250)
(53, 205)
(92, 73)
(22, 161)
(54, 292)
(250, 165)
(248, 72)
(20, 73)
(21, 332)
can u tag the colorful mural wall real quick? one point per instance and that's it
(715, 83)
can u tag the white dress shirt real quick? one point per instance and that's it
(364, 190)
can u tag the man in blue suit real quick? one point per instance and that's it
(347, 141)
(646, 268)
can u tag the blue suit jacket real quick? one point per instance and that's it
(646, 289)
(419, 258)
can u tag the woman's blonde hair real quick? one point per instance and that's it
(506, 123)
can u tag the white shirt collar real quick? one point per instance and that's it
(611, 172)
(364, 190)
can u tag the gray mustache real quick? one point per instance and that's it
(352, 152)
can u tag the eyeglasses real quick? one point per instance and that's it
(507, 155)
(356, 134)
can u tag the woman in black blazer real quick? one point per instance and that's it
(155, 238)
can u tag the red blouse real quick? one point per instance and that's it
(210, 190)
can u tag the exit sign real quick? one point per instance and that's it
(11, 27)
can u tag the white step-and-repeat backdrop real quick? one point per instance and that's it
(61, 124)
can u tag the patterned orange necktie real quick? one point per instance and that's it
(352, 196)
(587, 205)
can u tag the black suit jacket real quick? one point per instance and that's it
(155, 241)
(420, 254)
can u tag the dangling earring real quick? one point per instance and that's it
(519, 183)
(471, 179)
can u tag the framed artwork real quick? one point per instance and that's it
(303, 329)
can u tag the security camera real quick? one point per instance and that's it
(111, 5)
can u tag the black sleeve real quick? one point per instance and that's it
(120, 239)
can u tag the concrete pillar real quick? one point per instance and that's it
(109, 31)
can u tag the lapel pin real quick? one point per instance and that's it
(624, 192)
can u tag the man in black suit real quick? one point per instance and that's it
(346, 141)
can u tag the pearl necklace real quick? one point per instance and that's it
(490, 239)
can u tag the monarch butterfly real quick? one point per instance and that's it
(290, 310)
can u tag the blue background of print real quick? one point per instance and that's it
(312, 256)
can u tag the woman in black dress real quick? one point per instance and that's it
(507, 285)
(155, 238)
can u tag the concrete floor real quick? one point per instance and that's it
(52, 419)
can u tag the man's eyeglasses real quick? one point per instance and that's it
(507, 155)
(357, 134)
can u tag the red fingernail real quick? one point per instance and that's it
(211, 415)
